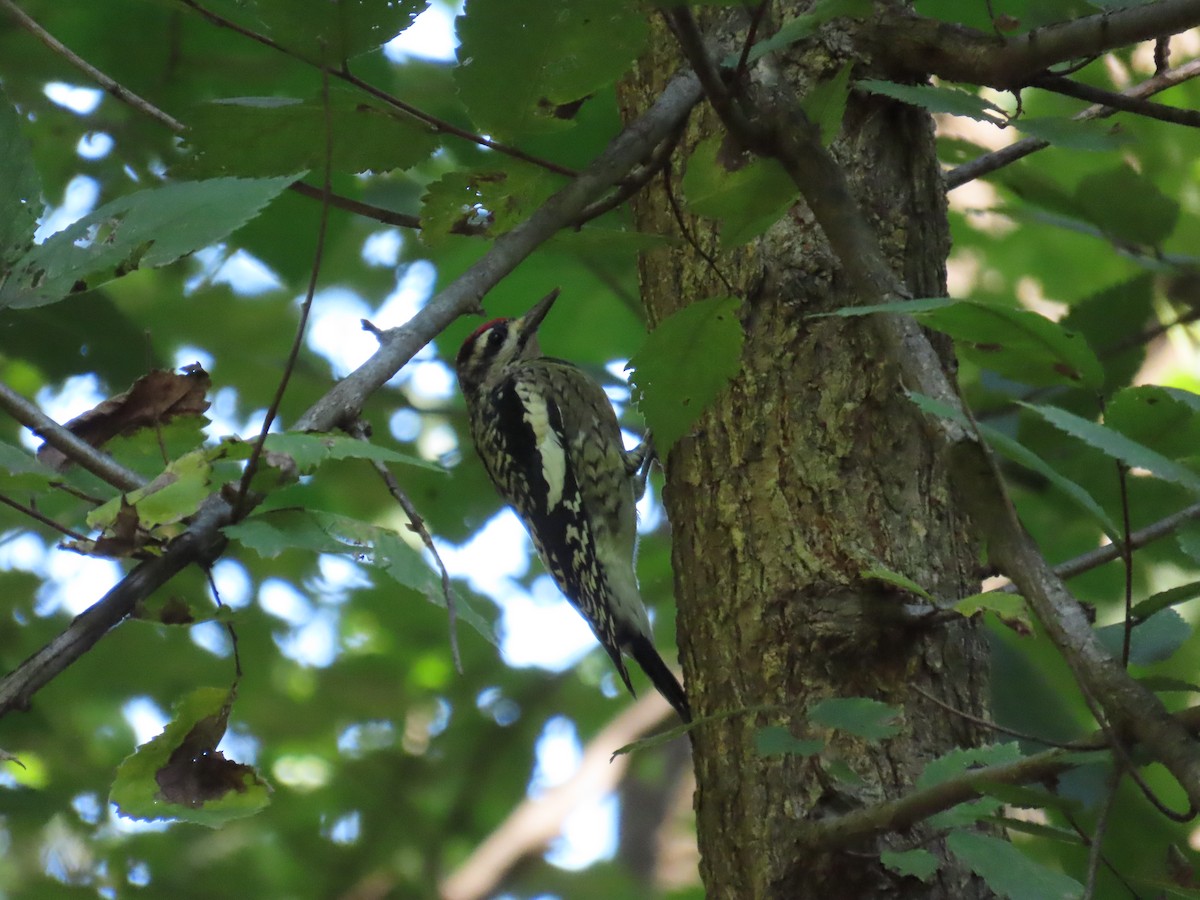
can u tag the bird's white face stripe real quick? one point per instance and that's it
(549, 444)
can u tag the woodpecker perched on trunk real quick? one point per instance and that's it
(550, 441)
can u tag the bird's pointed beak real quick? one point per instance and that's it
(533, 318)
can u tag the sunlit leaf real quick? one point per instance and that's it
(1008, 871)
(685, 362)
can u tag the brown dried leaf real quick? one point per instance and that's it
(124, 538)
(154, 399)
(196, 772)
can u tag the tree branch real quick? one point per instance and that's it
(907, 45)
(74, 448)
(1123, 102)
(537, 820)
(786, 134)
(990, 162)
(906, 811)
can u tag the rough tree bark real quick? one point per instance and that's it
(809, 469)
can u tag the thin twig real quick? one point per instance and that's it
(1096, 841)
(994, 726)
(1127, 559)
(305, 309)
(439, 125)
(45, 520)
(1122, 102)
(118, 90)
(378, 213)
(990, 162)
(74, 448)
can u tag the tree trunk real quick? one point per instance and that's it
(811, 468)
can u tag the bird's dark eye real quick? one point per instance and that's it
(496, 337)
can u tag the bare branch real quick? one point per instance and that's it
(990, 162)
(909, 45)
(202, 541)
(1122, 102)
(74, 448)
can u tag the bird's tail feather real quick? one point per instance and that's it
(660, 674)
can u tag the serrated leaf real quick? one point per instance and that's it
(920, 864)
(1017, 343)
(825, 104)
(1127, 205)
(1011, 609)
(171, 497)
(937, 99)
(1187, 539)
(1022, 455)
(244, 136)
(520, 61)
(1114, 444)
(1166, 420)
(324, 32)
(20, 188)
(309, 450)
(1070, 134)
(861, 716)
(1164, 599)
(1008, 871)
(271, 532)
(956, 762)
(887, 576)
(774, 740)
(747, 195)
(805, 25)
(684, 363)
(482, 203)
(1154, 640)
(181, 775)
(142, 230)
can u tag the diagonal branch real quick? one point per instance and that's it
(990, 162)
(909, 45)
(783, 132)
(74, 448)
(1080, 91)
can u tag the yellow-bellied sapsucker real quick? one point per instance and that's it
(550, 441)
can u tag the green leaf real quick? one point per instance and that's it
(1165, 599)
(957, 761)
(684, 363)
(774, 740)
(895, 579)
(1008, 871)
(1116, 445)
(324, 32)
(1167, 420)
(937, 99)
(1070, 134)
(1017, 343)
(1022, 455)
(20, 188)
(803, 26)
(181, 775)
(485, 203)
(920, 864)
(264, 136)
(21, 470)
(1108, 318)
(270, 532)
(861, 716)
(1011, 609)
(1188, 540)
(171, 497)
(747, 195)
(309, 451)
(825, 104)
(142, 230)
(520, 61)
(1127, 205)
(1154, 640)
